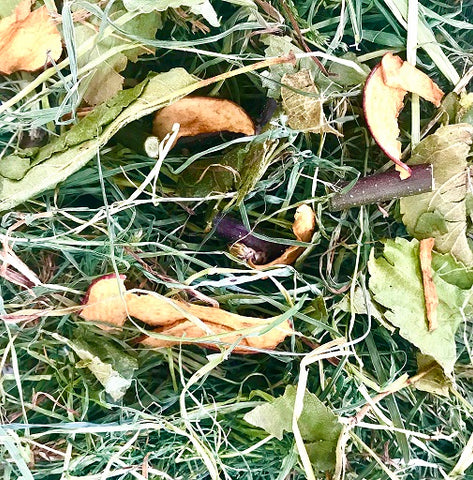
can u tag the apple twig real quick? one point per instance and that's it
(385, 186)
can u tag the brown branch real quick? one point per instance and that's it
(383, 187)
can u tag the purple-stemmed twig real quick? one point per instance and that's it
(233, 231)
(385, 186)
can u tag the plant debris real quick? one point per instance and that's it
(257, 250)
(385, 186)
(304, 110)
(383, 99)
(29, 40)
(108, 302)
(303, 228)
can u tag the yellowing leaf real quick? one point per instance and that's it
(305, 112)
(29, 40)
(105, 80)
(434, 381)
(442, 213)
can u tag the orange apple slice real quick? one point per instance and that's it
(201, 115)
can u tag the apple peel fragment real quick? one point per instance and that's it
(202, 115)
(109, 303)
(383, 100)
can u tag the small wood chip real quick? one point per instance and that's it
(430, 292)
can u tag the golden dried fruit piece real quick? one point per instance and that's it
(28, 39)
(400, 74)
(200, 115)
(383, 99)
(108, 302)
(104, 302)
(303, 228)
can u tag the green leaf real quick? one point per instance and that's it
(396, 284)
(347, 75)
(361, 304)
(278, 47)
(198, 7)
(318, 425)
(204, 177)
(112, 367)
(453, 271)
(91, 125)
(75, 149)
(147, 6)
(255, 159)
(442, 213)
(106, 81)
(14, 167)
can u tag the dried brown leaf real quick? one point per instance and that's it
(430, 292)
(305, 113)
(105, 302)
(28, 39)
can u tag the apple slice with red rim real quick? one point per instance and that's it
(383, 100)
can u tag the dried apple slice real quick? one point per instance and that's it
(400, 74)
(108, 302)
(200, 115)
(104, 302)
(28, 39)
(383, 99)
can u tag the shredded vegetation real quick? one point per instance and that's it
(349, 395)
